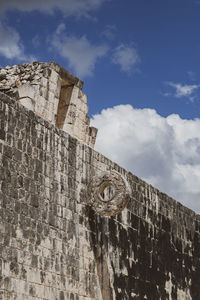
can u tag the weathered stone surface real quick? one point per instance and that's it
(54, 246)
(108, 193)
(52, 93)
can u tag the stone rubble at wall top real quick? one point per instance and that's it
(11, 77)
(53, 93)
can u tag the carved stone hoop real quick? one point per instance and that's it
(108, 193)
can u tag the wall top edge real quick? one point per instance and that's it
(64, 74)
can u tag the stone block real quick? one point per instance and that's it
(29, 103)
(30, 91)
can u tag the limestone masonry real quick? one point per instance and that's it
(73, 224)
(52, 93)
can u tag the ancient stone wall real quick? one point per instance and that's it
(52, 93)
(63, 238)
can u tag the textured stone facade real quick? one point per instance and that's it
(52, 93)
(55, 244)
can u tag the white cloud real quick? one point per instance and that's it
(81, 54)
(109, 32)
(182, 90)
(163, 151)
(191, 75)
(36, 41)
(68, 7)
(11, 46)
(126, 57)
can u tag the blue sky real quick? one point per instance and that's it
(162, 37)
(138, 59)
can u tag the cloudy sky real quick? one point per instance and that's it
(140, 64)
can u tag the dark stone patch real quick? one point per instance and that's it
(99, 242)
(62, 296)
(2, 134)
(34, 261)
(34, 201)
(14, 267)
